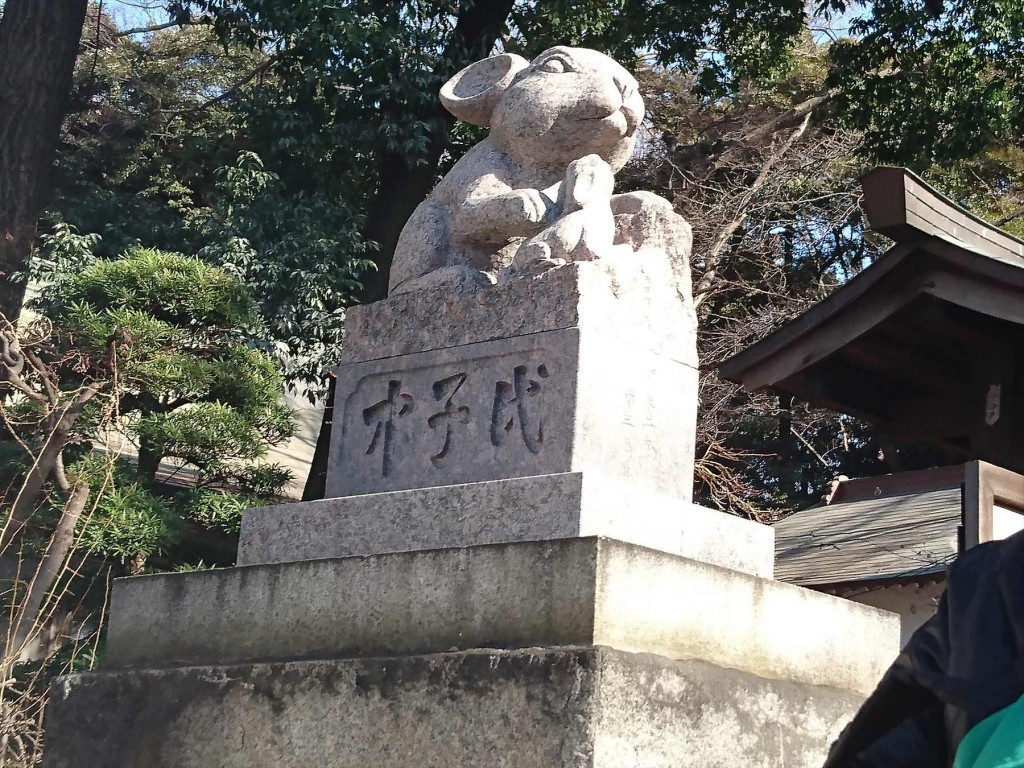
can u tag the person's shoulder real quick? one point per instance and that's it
(986, 556)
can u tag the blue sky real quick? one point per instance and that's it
(136, 13)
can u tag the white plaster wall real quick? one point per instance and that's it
(914, 604)
(297, 453)
(1006, 522)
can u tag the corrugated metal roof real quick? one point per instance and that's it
(884, 538)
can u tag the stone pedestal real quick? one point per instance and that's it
(530, 708)
(510, 571)
(520, 509)
(589, 367)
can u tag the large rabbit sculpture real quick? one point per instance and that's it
(540, 184)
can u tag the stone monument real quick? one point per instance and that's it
(509, 570)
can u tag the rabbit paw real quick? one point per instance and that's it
(530, 206)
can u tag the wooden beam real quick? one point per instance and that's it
(900, 483)
(992, 399)
(844, 387)
(944, 328)
(902, 206)
(984, 297)
(907, 364)
(986, 485)
(872, 308)
(935, 419)
(791, 333)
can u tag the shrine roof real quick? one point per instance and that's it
(895, 537)
(875, 529)
(902, 342)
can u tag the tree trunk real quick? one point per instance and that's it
(61, 423)
(785, 445)
(30, 619)
(39, 42)
(404, 183)
(149, 461)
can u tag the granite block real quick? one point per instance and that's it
(499, 511)
(534, 708)
(544, 403)
(634, 300)
(586, 591)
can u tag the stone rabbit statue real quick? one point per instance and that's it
(566, 105)
(586, 229)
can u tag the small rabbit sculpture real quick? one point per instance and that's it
(586, 229)
(560, 127)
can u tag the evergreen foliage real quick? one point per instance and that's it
(151, 347)
(189, 384)
(927, 88)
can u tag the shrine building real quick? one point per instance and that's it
(927, 344)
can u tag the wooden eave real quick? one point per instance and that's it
(900, 205)
(850, 589)
(899, 484)
(931, 266)
(915, 342)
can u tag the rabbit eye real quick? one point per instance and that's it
(554, 64)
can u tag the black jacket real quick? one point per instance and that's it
(964, 664)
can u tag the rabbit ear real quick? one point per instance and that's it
(474, 92)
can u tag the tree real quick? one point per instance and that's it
(153, 347)
(300, 253)
(38, 47)
(160, 150)
(768, 178)
(189, 386)
(151, 121)
(927, 89)
(160, 341)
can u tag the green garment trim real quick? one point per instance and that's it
(995, 742)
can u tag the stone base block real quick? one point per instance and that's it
(587, 591)
(523, 509)
(633, 299)
(534, 708)
(557, 401)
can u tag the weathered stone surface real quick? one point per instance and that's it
(586, 229)
(520, 509)
(659, 714)
(586, 591)
(568, 105)
(537, 708)
(558, 401)
(631, 299)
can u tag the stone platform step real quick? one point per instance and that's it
(572, 592)
(496, 512)
(533, 708)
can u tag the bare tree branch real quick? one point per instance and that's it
(715, 252)
(54, 560)
(226, 93)
(157, 27)
(1011, 216)
(61, 422)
